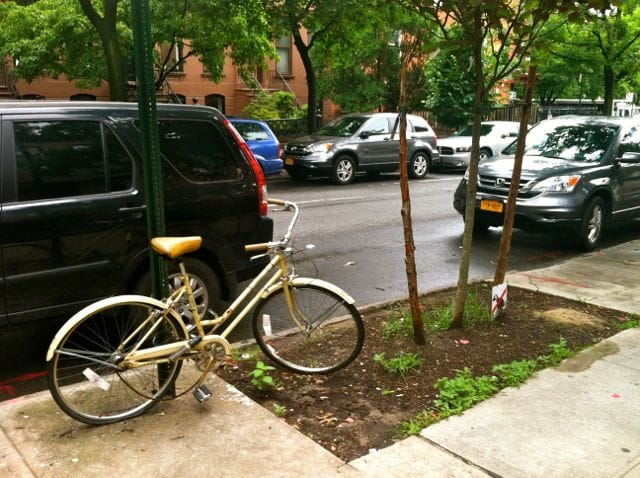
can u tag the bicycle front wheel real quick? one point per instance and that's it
(86, 374)
(320, 332)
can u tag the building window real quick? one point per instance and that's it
(283, 48)
(172, 57)
(216, 101)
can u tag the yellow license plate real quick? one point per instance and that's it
(491, 205)
(289, 160)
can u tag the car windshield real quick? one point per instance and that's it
(485, 129)
(573, 142)
(344, 127)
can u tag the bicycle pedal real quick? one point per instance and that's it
(202, 393)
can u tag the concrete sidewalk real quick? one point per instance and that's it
(581, 419)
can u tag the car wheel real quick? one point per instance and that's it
(343, 170)
(592, 224)
(419, 166)
(205, 285)
(485, 154)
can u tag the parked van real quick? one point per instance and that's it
(72, 208)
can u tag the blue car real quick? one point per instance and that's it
(262, 142)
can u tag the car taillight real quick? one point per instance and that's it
(261, 180)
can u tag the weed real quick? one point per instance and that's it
(515, 373)
(279, 410)
(457, 394)
(385, 391)
(415, 426)
(399, 325)
(629, 322)
(437, 319)
(401, 364)
(559, 352)
(475, 310)
(261, 378)
(463, 391)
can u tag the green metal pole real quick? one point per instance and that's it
(151, 164)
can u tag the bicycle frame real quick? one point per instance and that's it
(279, 270)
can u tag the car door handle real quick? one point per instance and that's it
(135, 211)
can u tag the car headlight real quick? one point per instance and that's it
(463, 149)
(320, 148)
(558, 184)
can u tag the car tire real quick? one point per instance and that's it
(419, 165)
(205, 284)
(485, 154)
(590, 231)
(344, 169)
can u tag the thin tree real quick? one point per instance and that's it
(501, 33)
(510, 208)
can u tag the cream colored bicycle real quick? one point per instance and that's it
(118, 357)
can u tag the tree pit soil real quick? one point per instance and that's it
(357, 409)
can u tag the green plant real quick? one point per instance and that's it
(559, 352)
(437, 319)
(629, 322)
(457, 394)
(401, 364)
(385, 391)
(413, 427)
(475, 310)
(463, 391)
(515, 373)
(279, 410)
(261, 378)
(399, 325)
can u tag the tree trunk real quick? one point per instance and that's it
(609, 83)
(114, 58)
(472, 185)
(310, 74)
(510, 211)
(409, 245)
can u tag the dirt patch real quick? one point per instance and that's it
(359, 408)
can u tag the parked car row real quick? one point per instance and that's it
(73, 214)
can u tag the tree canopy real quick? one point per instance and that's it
(92, 41)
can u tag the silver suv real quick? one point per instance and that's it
(361, 143)
(579, 173)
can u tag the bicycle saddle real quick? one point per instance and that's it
(175, 247)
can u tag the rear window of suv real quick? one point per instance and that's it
(197, 151)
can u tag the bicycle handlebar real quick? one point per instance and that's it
(265, 246)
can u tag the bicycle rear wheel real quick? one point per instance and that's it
(327, 336)
(86, 375)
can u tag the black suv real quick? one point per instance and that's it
(72, 211)
(579, 174)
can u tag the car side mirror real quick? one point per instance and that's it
(365, 134)
(630, 157)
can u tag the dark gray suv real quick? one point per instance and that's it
(72, 210)
(361, 142)
(579, 174)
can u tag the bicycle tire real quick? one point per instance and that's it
(83, 376)
(333, 335)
